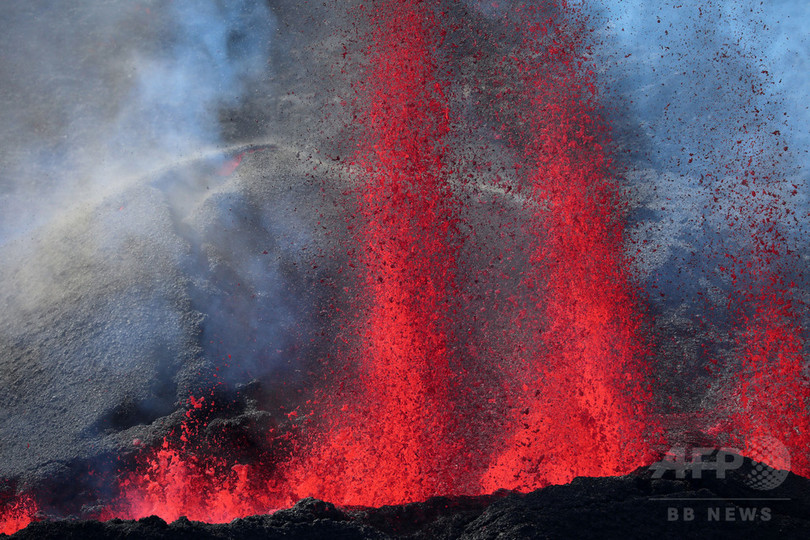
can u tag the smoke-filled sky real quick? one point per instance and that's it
(120, 246)
(674, 47)
(98, 94)
(686, 82)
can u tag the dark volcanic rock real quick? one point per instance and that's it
(633, 506)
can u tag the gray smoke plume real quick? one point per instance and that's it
(134, 258)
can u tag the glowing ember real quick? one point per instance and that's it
(17, 515)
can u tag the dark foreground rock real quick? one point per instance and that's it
(633, 506)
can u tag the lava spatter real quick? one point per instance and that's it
(17, 514)
(185, 477)
(585, 405)
(391, 438)
(390, 420)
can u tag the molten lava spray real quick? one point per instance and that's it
(17, 515)
(772, 392)
(394, 439)
(585, 407)
(388, 428)
(183, 478)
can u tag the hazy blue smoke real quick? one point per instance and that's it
(96, 94)
(198, 63)
(110, 270)
(685, 69)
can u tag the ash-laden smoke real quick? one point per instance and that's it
(132, 255)
(97, 94)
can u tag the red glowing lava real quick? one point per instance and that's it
(585, 408)
(393, 440)
(772, 392)
(182, 479)
(17, 515)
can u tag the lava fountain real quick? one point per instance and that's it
(395, 438)
(772, 390)
(585, 409)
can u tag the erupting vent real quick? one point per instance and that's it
(417, 396)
